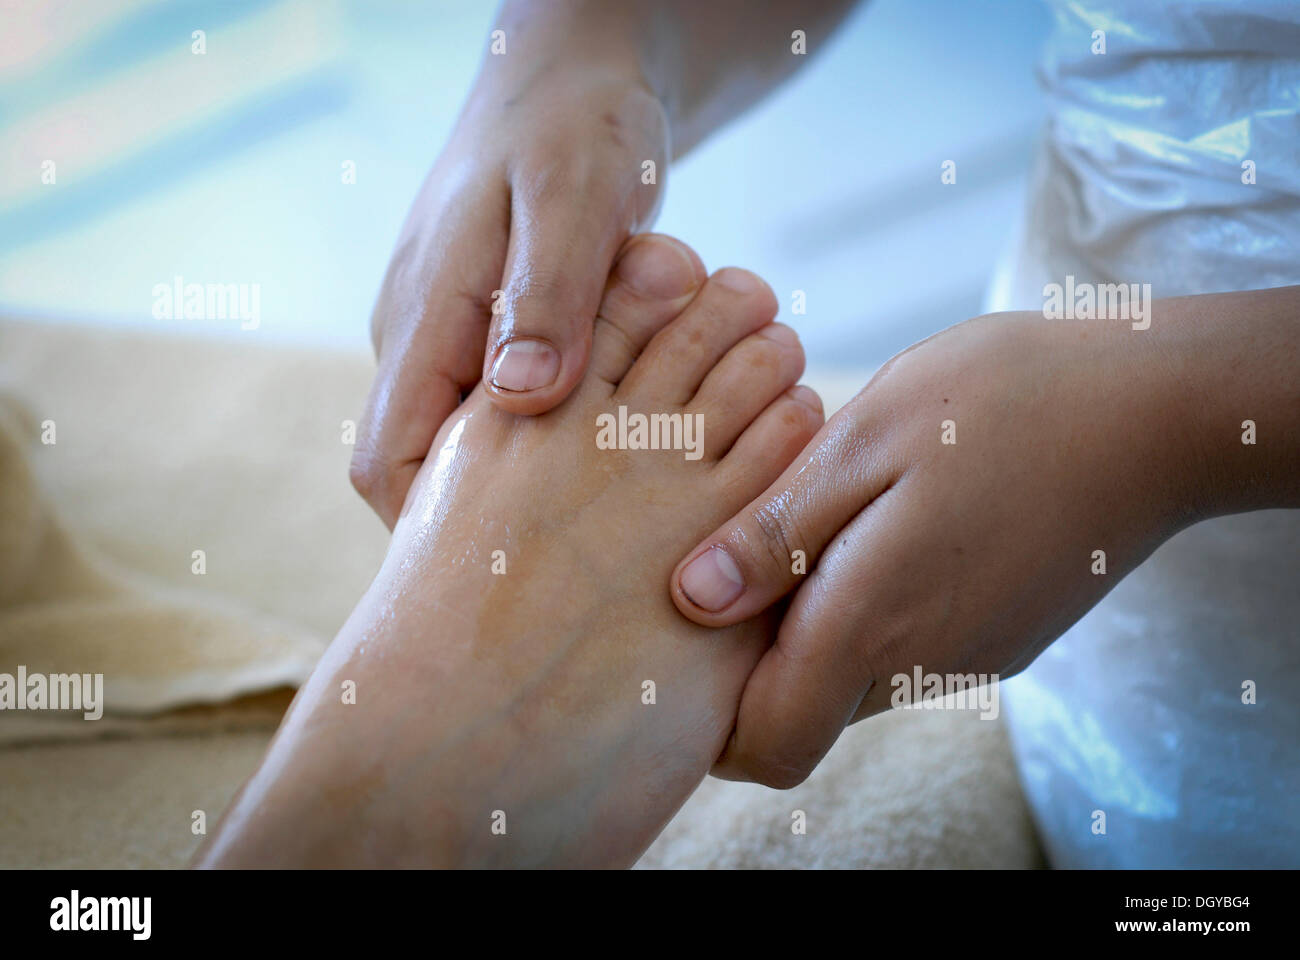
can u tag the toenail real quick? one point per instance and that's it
(524, 365)
(807, 396)
(780, 333)
(737, 280)
(712, 580)
(658, 268)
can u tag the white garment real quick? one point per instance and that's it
(1137, 711)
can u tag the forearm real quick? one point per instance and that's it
(706, 61)
(1233, 358)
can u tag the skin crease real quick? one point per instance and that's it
(522, 692)
(1072, 436)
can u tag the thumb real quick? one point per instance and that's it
(839, 639)
(763, 552)
(556, 267)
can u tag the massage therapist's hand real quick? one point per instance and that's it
(1070, 437)
(539, 185)
(544, 176)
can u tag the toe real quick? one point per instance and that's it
(653, 279)
(753, 373)
(772, 441)
(733, 304)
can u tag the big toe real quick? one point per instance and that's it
(653, 280)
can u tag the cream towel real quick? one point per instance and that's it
(157, 452)
(67, 609)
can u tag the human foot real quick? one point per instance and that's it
(525, 692)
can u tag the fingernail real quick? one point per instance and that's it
(737, 280)
(658, 268)
(712, 580)
(524, 365)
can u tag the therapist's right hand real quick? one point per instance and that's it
(502, 261)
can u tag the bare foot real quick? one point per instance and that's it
(526, 694)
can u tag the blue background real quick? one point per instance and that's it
(226, 168)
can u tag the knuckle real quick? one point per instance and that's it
(553, 175)
(547, 297)
(536, 281)
(855, 445)
(549, 183)
(542, 308)
(774, 537)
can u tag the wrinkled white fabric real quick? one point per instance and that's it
(1137, 711)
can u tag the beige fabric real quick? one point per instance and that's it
(161, 450)
(67, 609)
(165, 446)
(118, 803)
(904, 789)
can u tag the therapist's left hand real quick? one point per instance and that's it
(970, 556)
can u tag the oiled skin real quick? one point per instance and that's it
(523, 691)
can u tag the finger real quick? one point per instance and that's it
(566, 227)
(761, 554)
(431, 320)
(831, 644)
(411, 396)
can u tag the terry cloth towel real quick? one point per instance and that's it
(166, 445)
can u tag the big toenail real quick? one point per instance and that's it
(737, 280)
(524, 365)
(780, 333)
(712, 580)
(658, 268)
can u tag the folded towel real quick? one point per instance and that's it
(158, 460)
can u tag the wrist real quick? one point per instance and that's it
(1230, 362)
(594, 40)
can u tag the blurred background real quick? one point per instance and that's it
(227, 167)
